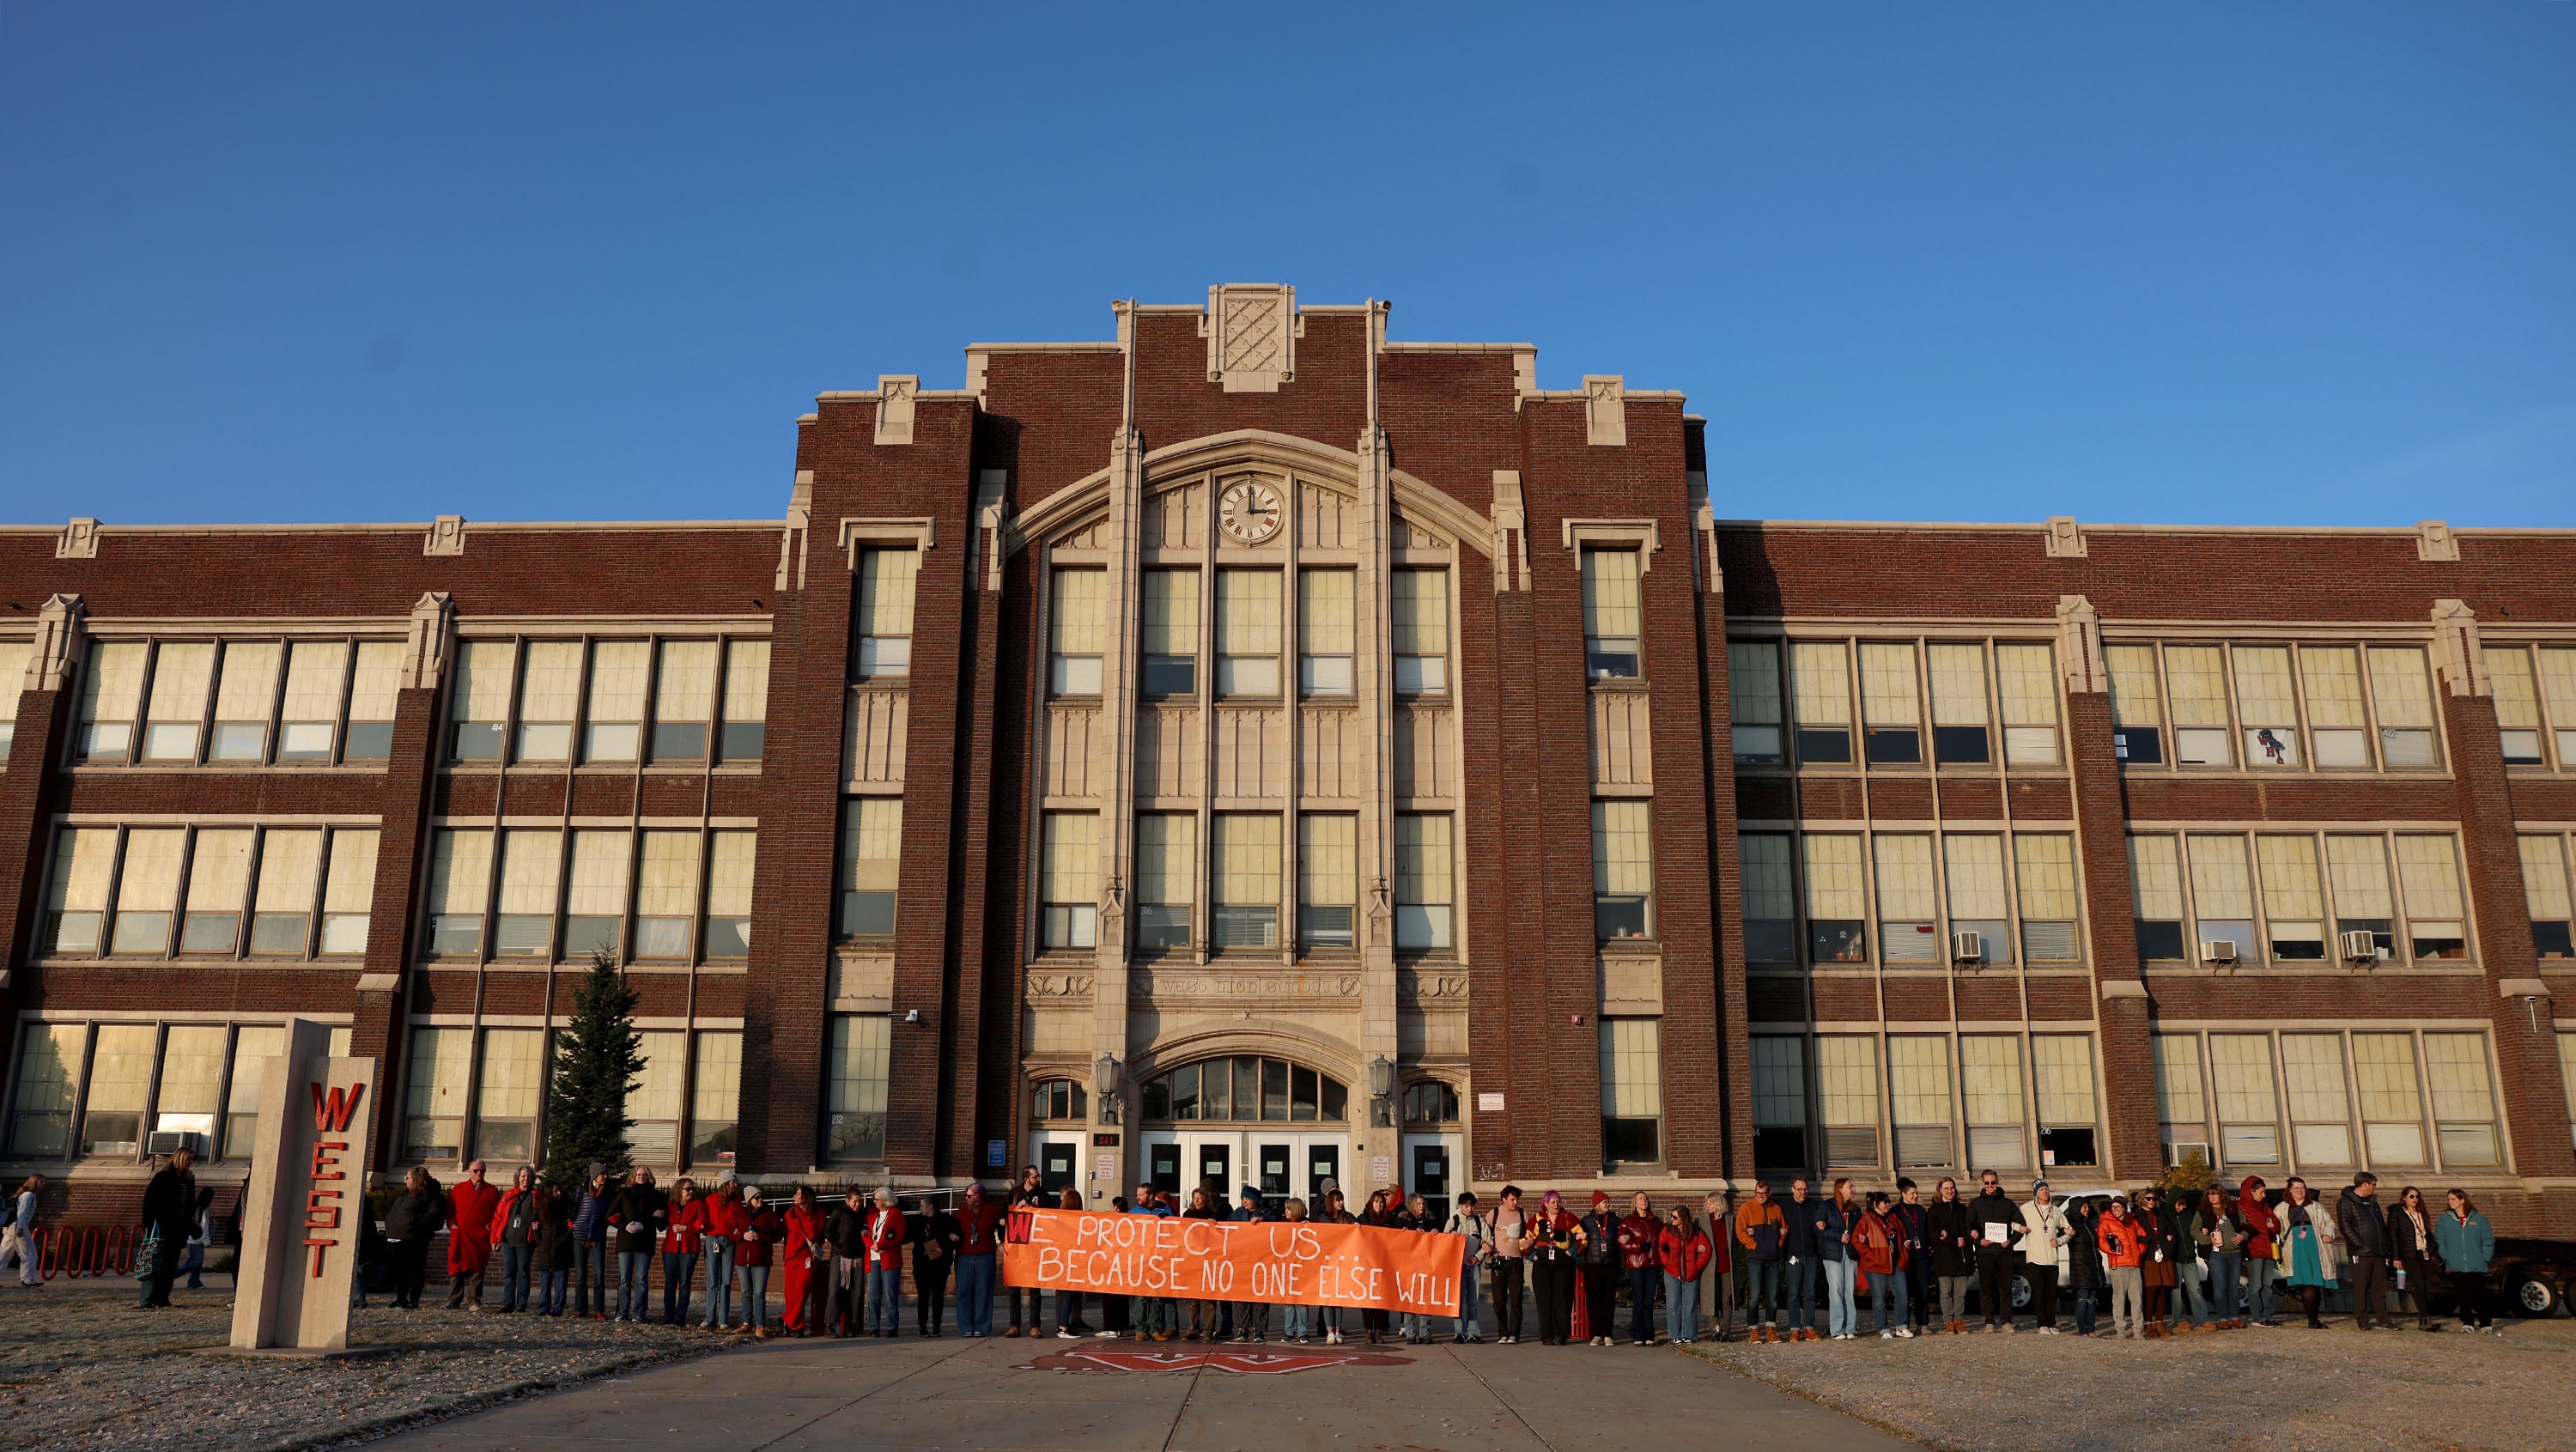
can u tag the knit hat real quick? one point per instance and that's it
(1600, 1197)
(1251, 1192)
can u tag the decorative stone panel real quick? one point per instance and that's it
(1622, 739)
(1426, 762)
(875, 735)
(1167, 751)
(1251, 331)
(1251, 752)
(1330, 745)
(1072, 733)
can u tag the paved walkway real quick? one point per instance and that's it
(911, 1395)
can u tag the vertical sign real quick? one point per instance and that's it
(302, 1208)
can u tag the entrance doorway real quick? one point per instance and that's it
(1058, 1155)
(1279, 1165)
(1430, 1167)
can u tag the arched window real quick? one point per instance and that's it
(1245, 1088)
(1428, 1101)
(1058, 1099)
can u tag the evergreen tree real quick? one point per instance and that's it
(597, 1060)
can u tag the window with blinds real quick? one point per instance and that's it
(1779, 1102)
(509, 1084)
(1959, 716)
(732, 861)
(1166, 879)
(1077, 632)
(2026, 684)
(1328, 879)
(744, 734)
(1837, 898)
(218, 890)
(1820, 693)
(666, 893)
(460, 883)
(191, 1085)
(2044, 874)
(374, 684)
(856, 1099)
(2293, 900)
(317, 673)
(1425, 882)
(1753, 701)
(1979, 898)
(595, 895)
(1632, 1092)
(13, 680)
(1420, 638)
(2392, 1098)
(2181, 1102)
(1623, 872)
(653, 1102)
(2137, 704)
(621, 676)
(2267, 705)
(549, 700)
(2240, 1071)
(2222, 894)
(478, 698)
(245, 700)
(48, 1093)
(1069, 880)
(2545, 887)
(1610, 613)
(2428, 873)
(1847, 1100)
(1243, 881)
(183, 672)
(715, 1097)
(1327, 627)
(1247, 632)
(684, 699)
(76, 905)
(120, 1081)
(2320, 1099)
(1890, 710)
(1770, 899)
(111, 691)
(887, 581)
(2558, 699)
(2517, 704)
(438, 1071)
(2463, 1095)
(2196, 683)
(871, 865)
(1909, 930)
(2063, 1077)
(2357, 866)
(1918, 1082)
(147, 890)
(290, 874)
(1990, 1077)
(2338, 725)
(523, 919)
(253, 1047)
(1168, 638)
(2402, 697)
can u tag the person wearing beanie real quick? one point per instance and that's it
(1555, 1238)
(2043, 1253)
(1597, 1269)
(2123, 1244)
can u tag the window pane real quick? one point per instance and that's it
(1905, 888)
(1171, 614)
(716, 1098)
(1079, 621)
(2132, 669)
(1325, 610)
(513, 1080)
(860, 1051)
(434, 1102)
(1425, 883)
(621, 671)
(731, 867)
(2517, 698)
(2428, 868)
(1847, 1080)
(1753, 682)
(2045, 868)
(2027, 678)
(1990, 1067)
(888, 580)
(2196, 676)
(1247, 612)
(1918, 1080)
(120, 1077)
(1166, 878)
(1610, 594)
(2544, 876)
(2178, 1086)
(1887, 689)
(871, 863)
(1632, 1079)
(1420, 606)
(1958, 674)
(1779, 1081)
(1834, 879)
(1768, 889)
(1976, 866)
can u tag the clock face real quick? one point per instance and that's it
(1248, 511)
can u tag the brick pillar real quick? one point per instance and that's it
(1690, 820)
(26, 841)
(1506, 1007)
(378, 1002)
(982, 1104)
(2123, 1013)
(1726, 887)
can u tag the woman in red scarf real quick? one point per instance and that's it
(803, 1231)
(2261, 1225)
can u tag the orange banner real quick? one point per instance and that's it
(1303, 1262)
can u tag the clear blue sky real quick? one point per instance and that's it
(2218, 263)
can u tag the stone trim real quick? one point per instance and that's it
(78, 540)
(993, 527)
(446, 536)
(796, 540)
(2079, 646)
(896, 395)
(1251, 330)
(2457, 656)
(1605, 410)
(61, 623)
(425, 647)
(1510, 532)
(1644, 534)
(921, 534)
(2065, 538)
(2434, 541)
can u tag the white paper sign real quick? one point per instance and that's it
(1488, 1102)
(1998, 1230)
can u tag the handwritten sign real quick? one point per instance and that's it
(1304, 1262)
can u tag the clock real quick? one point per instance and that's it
(1249, 511)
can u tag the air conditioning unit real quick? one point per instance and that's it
(171, 1141)
(2182, 1154)
(1967, 947)
(2217, 950)
(2361, 946)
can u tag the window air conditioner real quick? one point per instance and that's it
(1967, 947)
(169, 1142)
(2361, 947)
(2217, 950)
(2182, 1154)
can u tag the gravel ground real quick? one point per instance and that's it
(2290, 1388)
(81, 1371)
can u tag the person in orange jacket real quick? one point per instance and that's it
(2124, 1246)
(802, 1227)
(683, 1238)
(1682, 1250)
(470, 1207)
(881, 1260)
(1761, 1231)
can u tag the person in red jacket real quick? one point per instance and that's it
(754, 1238)
(683, 1238)
(1640, 1239)
(1879, 1240)
(514, 1225)
(470, 1207)
(803, 1250)
(724, 1222)
(979, 1220)
(2261, 1267)
(1682, 1251)
(881, 1260)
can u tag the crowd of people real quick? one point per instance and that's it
(1795, 1266)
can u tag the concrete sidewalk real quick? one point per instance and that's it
(1071, 1396)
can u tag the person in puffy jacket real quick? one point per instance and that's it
(725, 1212)
(1878, 1243)
(2363, 1224)
(2123, 1243)
(2411, 1253)
(2086, 1277)
(1760, 1232)
(1682, 1250)
(682, 1240)
(2467, 1244)
(1638, 1240)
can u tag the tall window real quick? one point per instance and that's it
(2402, 695)
(478, 700)
(2222, 894)
(746, 701)
(110, 695)
(1978, 901)
(2044, 870)
(861, 1044)
(13, 680)
(549, 699)
(290, 872)
(147, 890)
(2392, 1099)
(2196, 678)
(731, 862)
(1328, 879)
(684, 700)
(218, 891)
(1779, 1103)
(1820, 687)
(871, 862)
(1891, 713)
(2428, 873)
(192, 1076)
(1425, 883)
(1632, 1091)
(1244, 881)
(2517, 704)
(1077, 626)
(373, 687)
(1623, 870)
(173, 718)
(1168, 635)
(2337, 725)
(715, 1098)
(245, 699)
(120, 1079)
(1847, 1100)
(1327, 622)
(595, 898)
(505, 1107)
(2293, 897)
(309, 712)
(253, 1047)
(887, 579)
(1990, 1073)
(1837, 906)
(2464, 1108)
(2137, 708)
(2319, 1098)
(1419, 639)
(1918, 1080)
(1960, 735)
(621, 677)
(1247, 632)
(2064, 1064)
(1753, 701)
(2180, 1103)
(460, 873)
(1610, 613)
(2267, 705)
(666, 894)
(49, 1061)
(2240, 1070)
(655, 1101)
(1069, 890)
(2545, 885)
(2155, 878)
(1907, 929)
(1166, 876)
(531, 875)
(2026, 681)
(1770, 899)
(434, 1100)
(348, 894)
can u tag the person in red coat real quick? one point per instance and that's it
(1879, 1241)
(802, 1251)
(755, 1238)
(684, 1238)
(1682, 1252)
(881, 1258)
(470, 1208)
(1637, 1252)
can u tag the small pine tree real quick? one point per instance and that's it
(2190, 1178)
(598, 1056)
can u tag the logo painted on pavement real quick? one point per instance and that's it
(1244, 1362)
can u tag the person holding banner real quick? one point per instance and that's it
(1373, 1321)
(1150, 1318)
(1335, 1213)
(1030, 1191)
(1295, 1317)
(1554, 1238)
(1251, 1318)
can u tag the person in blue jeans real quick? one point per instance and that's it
(1798, 1242)
(637, 1218)
(980, 1221)
(550, 1251)
(1834, 1221)
(1759, 1229)
(2221, 1235)
(1149, 1317)
(590, 1246)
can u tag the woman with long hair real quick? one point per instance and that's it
(1373, 1321)
(2156, 1271)
(1835, 1221)
(1684, 1251)
(801, 1233)
(2411, 1254)
(550, 1247)
(2307, 1251)
(2217, 1232)
(2467, 1244)
(411, 1222)
(1555, 1239)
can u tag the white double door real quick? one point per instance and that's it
(1281, 1163)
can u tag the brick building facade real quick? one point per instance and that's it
(1256, 748)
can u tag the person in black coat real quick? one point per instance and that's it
(638, 1214)
(551, 1250)
(935, 1235)
(2085, 1274)
(169, 1218)
(846, 1228)
(412, 1221)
